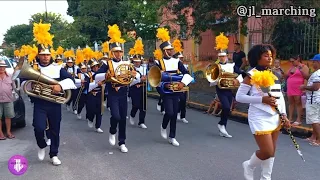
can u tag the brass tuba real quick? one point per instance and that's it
(40, 84)
(225, 80)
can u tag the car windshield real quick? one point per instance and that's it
(7, 62)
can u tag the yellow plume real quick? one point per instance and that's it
(177, 45)
(53, 53)
(32, 53)
(60, 50)
(163, 34)
(88, 53)
(16, 52)
(132, 51)
(157, 54)
(98, 55)
(138, 47)
(221, 42)
(105, 47)
(115, 34)
(41, 34)
(79, 56)
(69, 53)
(23, 51)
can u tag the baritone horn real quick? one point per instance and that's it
(225, 80)
(157, 78)
(41, 84)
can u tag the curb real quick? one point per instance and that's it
(241, 117)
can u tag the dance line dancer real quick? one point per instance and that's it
(263, 120)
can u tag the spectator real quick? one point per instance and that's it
(6, 100)
(278, 71)
(215, 104)
(239, 57)
(295, 78)
(313, 101)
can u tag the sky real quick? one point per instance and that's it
(14, 12)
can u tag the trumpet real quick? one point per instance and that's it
(225, 80)
(40, 84)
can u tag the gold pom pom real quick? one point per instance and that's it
(41, 34)
(177, 45)
(157, 54)
(138, 47)
(105, 47)
(69, 53)
(115, 34)
(60, 50)
(163, 34)
(98, 55)
(263, 79)
(79, 57)
(88, 53)
(132, 51)
(16, 52)
(221, 42)
(23, 51)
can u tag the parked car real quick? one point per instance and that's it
(19, 106)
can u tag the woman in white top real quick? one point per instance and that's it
(263, 120)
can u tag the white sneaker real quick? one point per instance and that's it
(99, 130)
(55, 161)
(163, 112)
(184, 120)
(49, 142)
(90, 124)
(223, 131)
(131, 120)
(163, 133)
(248, 172)
(105, 104)
(123, 148)
(79, 116)
(178, 116)
(158, 107)
(108, 109)
(41, 154)
(128, 99)
(68, 108)
(173, 141)
(143, 126)
(75, 112)
(112, 139)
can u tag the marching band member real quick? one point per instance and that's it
(73, 70)
(46, 111)
(58, 60)
(137, 89)
(94, 101)
(263, 120)
(183, 97)
(117, 93)
(225, 95)
(171, 101)
(104, 60)
(160, 106)
(85, 77)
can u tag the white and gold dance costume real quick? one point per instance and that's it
(262, 119)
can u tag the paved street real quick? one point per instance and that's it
(202, 155)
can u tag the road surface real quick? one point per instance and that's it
(202, 155)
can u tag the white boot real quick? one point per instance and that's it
(223, 131)
(112, 139)
(90, 124)
(79, 116)
(41, 154)
(49, 142)
(99, 130)
(250, 165)
(173, 141)
(178, 116)
(143, 126)
(75, 112)
(163, 133)
(158, 107)
(266, 167)
(123, 148)
(131, 120)
(55, 161)
(184, 120)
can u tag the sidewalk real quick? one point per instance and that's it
(201, 101)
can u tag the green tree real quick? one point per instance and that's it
(19, 35)
(93, 17)
(9, 52)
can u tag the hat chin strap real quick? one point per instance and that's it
(167, 53)
(115, 56)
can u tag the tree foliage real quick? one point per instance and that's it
(221, 16)
(93, 17)
(19, 35)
